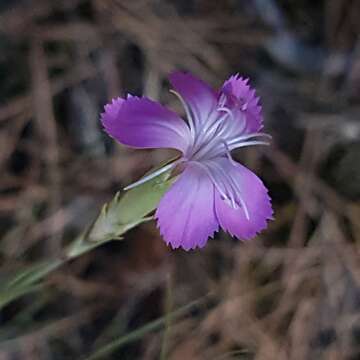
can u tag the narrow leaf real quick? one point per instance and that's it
(137, 334)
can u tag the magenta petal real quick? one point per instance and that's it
(186, 215)
(241, 96)
(200, 97)
(143, 123)
(257, 201)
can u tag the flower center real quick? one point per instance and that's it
(223, 131)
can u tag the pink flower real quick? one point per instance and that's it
(213, 190)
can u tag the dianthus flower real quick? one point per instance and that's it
(212, 189)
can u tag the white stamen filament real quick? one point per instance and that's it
(154, 174)
(247, 143)
(226, 110)
(205, 132)
(214, 181)
(248, 136)
(228, 153)
(213, 149)
(188, 112)
(235, 191)
(232, 191)
(203, 143)
(217, 121)
(207, 150)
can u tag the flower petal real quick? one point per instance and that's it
(200, 97)
(143, 123)
(256, 199)
(186, 215)
(241, 99)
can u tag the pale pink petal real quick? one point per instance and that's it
(255, 198)
(143, 123)
(186, 215)
(200, 97)
(242, 100)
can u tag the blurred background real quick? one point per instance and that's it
(291, 293)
